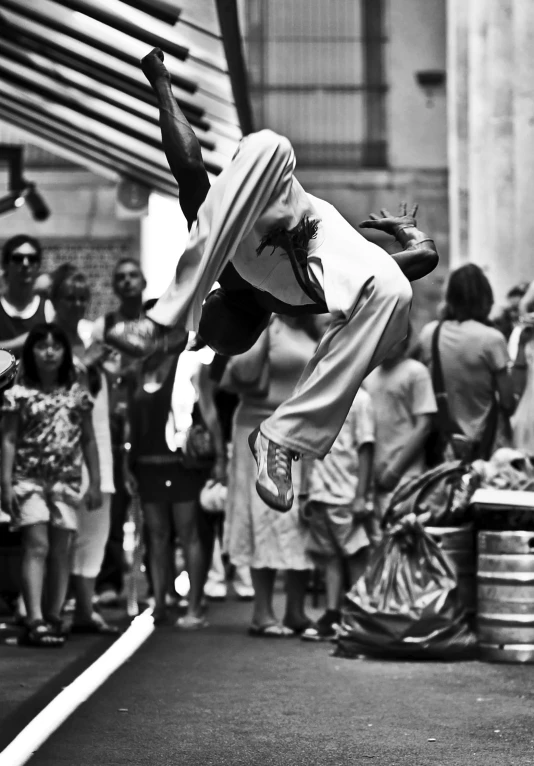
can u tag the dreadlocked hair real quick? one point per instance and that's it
(292, 241)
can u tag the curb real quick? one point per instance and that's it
(30, 739)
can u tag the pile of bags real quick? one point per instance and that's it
(407, 603)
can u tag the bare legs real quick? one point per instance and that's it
(160, 519)
(46, 554)
(263, 581)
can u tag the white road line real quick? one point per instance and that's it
(30, 739)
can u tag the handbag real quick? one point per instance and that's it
(447, 440)
(198, 452)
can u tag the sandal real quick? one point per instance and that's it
(58, 627)
(270, 631)
(299, 629)
(188, 622)
(96, 626)
(39, 634)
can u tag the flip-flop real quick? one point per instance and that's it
(270, 631)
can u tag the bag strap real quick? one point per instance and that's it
(438, 383)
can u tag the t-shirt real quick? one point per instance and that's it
(399, 394)
(50, 428)
(334, 480)
(471, 354)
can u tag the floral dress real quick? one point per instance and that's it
(49, 451)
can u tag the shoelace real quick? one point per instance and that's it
(282, 459)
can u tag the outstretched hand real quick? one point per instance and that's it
(391, 224)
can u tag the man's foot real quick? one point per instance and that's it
(273, 482)
(144, 337)
(325, 629)
(153, 67)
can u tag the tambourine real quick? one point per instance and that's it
(8, 368)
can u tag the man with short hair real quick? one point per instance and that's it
(21, 308)
(128, 283)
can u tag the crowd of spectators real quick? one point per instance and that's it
(89, 434)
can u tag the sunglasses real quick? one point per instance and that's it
(19, 258)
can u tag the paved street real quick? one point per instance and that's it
(221, 697)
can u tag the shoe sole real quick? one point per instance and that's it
(264, 494)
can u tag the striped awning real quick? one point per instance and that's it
(70, 78)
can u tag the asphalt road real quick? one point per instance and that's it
(219, 696)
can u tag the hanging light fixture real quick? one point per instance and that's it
(21, 191)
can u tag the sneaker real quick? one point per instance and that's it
(273, 482)
(325, 629)
(215, 591)
(143, 337)
(189, 622)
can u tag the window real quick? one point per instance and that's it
(316, 70)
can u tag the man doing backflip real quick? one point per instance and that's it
(273, 247)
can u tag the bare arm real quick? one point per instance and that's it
(15, 344)
(180, 143)
(505, 389)
(206, 403)
(412, 448)
(93, 497)
(366, 455)
(419, 256)
(10, 429)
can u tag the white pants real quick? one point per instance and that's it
(365, 291)
(91, 538)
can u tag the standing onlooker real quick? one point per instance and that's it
(336, 506)
(255, 535)
(507, 319)
(47, 426)
(21, 308)
(128, 285)
(403, 400)
(173, 393)
(474, 359)
(70, 296)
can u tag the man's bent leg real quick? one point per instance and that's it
(309, 421)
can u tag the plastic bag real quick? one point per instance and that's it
(406, 605)
(442, 494)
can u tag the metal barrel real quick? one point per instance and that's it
(458, 543)
(505, 596)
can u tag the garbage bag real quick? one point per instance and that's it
(406, 604)
(442, 495)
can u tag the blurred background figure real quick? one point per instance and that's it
(21, 307)
(128, 285)
(255, 535)
(475, 362)
(174, 392)
(404, 403)
(70, 294)
(506, 320)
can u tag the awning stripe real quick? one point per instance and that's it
(136, 88)
(72, 135)
(70, 76)
(92, 129)
(29, 12)
(115, 19)
(81, 106)
(158, 9)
